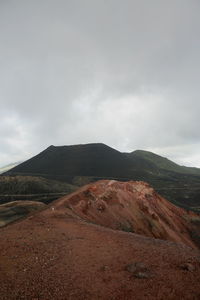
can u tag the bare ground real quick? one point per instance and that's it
(55, 255)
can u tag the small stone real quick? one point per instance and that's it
(188, 267)
(104, 268)
(142, 275)
(139, 270)
(138, 266)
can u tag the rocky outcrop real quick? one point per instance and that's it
(130, 206)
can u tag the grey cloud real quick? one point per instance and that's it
(121, 72)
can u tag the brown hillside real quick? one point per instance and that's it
(58, 254)
(130, 206)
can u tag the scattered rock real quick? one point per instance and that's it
(188, 267)
(139, 270)
(142, 275)
(137, 266)
(104, 268)
(101, 207)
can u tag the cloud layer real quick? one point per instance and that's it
(125, 73)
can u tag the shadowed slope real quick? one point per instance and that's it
(12, 211)
(78, 160)
(22, 185)
(32, 188)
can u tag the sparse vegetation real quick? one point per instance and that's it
(126, 227)
(16, 210)
(32, 188)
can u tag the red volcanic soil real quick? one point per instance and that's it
(58, 254)
(129, 206)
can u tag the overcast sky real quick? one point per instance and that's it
(125, 73)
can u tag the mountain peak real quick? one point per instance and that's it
(87, 145)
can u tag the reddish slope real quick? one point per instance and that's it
(130, 206)
(55, 255)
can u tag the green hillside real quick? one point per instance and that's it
(163, 163)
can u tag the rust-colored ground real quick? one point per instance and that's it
(132, 206)
(55, 254)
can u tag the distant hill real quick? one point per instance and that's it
(32, 188)
(13, 211)
(8, 167)
(163, 163)
(81, 164)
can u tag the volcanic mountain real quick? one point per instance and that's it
(67, 162)
(102, 242)
(81, 164)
